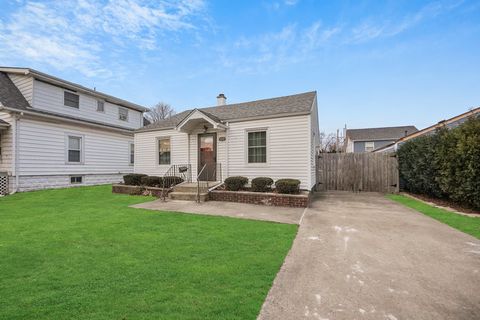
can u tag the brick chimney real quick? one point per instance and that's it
(221, 100)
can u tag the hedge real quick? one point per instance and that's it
(287, 186)
(445, 164)
(235, 183)
(133, 179)
(262, 184)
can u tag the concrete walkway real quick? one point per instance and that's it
(361, 256)
(228, 209)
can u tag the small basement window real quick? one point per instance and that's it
(71, 99)
(100, 106)
(76, 179)
(369, 146)
(123, 114)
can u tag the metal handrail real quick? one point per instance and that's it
(217, 173)
(198, 182)
(183, 171)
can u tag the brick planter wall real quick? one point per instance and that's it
(136, 190)
(270, 199)
(124, 189)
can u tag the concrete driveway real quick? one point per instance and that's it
(361, 256)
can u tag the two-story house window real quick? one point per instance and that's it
(100, 106)
(74, 152)
(71, 99)
(123, 114)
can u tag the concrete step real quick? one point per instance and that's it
(190, 196)
(188, 189)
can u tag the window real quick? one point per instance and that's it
(123, 114)
(76, 179)
(100, 106)
(132, 153)
(257, 147)
(71, 99)
(164, 151)
(369, 146)
(74, 149)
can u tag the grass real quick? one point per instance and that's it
(470, 225)
(82, 253)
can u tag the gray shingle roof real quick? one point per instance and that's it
(294, 104)
(10, 96)
(386, 133)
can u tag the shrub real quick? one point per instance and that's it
(171, 181)
(287, 186)
(133, 179)
(152, 181)
(445, 164)
(235, 183)
(262, 184)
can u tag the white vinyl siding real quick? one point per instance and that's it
(42, 149)
(24, 85)
(50, 98)
(288, 149)
(146, 151)
(6, 144)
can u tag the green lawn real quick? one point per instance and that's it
(470, 225)
(81, 253)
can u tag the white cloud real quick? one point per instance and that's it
(79, 33)
(271, 51)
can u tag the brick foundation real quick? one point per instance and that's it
(270, 199)
(137, 190)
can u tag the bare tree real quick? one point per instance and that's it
(330, 143)
(160, 111)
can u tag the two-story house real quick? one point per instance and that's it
(55, 133)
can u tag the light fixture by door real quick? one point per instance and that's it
(205, 129)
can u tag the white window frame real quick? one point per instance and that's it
(66, 91)
(103, 104)
(371, 146)
(82, 148)
(120, 114)
(75, 176)
(131, 150)
(267, 146)
(157, 149)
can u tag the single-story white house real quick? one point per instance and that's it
(55, 133)
(275, 138)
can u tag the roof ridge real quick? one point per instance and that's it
(382, 127)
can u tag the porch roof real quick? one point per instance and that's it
(3, 124)
(196, 117)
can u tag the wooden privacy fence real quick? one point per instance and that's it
(377, 172)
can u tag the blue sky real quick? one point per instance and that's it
(373, 63)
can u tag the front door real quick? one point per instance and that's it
(207, 156)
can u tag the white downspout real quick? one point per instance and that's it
(15, 152)
(226, 151)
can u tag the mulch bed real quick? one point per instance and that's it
(444, 203)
